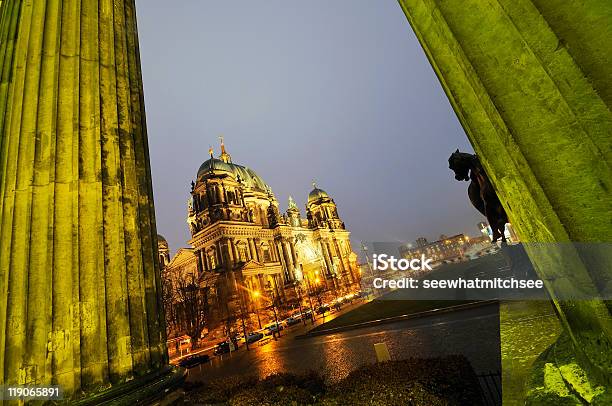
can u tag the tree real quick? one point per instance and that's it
(186, 299)
(192, 307)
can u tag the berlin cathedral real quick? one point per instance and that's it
(244, 249)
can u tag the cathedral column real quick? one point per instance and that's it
(258, 253)
(200, 267)
(234, 251)
(227, 249)
(293, 253)
(326, 257)
(288, 260)
(279, 291)
(221, 262)
(274, 253)
(281, 257)
(77, 223)
(254, 253)
(343, 266)
(206, 261)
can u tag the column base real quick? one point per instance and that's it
(160, 387)
(557, 379)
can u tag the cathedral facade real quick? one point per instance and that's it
(245, 250)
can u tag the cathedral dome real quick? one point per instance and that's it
(317, 194)
(160, 238)
(215, 164)
(247, 176)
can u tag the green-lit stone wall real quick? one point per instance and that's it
(79, 279)
(530, 82)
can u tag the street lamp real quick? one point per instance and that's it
(275, 318)
(309, 291)
(297, 290)
(256, 296)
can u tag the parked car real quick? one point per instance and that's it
(323, 309)
(290, 321)
(273, 328)
(254, 336)
(224, 347)
(307, 314)
(193, 360)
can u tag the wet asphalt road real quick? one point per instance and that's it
(473, 333)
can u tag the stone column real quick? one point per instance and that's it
(77, 222)
(258, 253)
(293, 253)
(198, 254)
(278, 289)
(343, 266)
(205, 260)
(254, 253)
(326, 257)
(221, 261)
(288, 260)
(530, 84)
(281, 257)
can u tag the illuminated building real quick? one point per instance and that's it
(448, 249)
(421, 242)
(247, 250)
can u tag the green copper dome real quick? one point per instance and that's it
(248, 176)
(216, 164)
(317, 194)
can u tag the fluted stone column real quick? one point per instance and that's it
(327, 258)
(79, 277)
(530, 83)
(199, 264)
(288, 260)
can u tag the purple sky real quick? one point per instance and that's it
(337, 91)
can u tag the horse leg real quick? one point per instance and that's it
(502, 219)
(493, 221)
(476, 197)
(503, 232)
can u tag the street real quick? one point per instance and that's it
(473, 333)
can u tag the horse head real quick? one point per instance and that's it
(460, 163)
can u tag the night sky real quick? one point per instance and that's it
(336, 91)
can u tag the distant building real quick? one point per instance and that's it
(449, 249)
(421, 242)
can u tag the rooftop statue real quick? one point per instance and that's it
(481, 192)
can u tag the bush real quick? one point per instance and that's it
(431, 382)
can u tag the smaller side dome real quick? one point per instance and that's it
(316, 194)
(160, 239)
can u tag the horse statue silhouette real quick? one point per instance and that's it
(481, 193)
